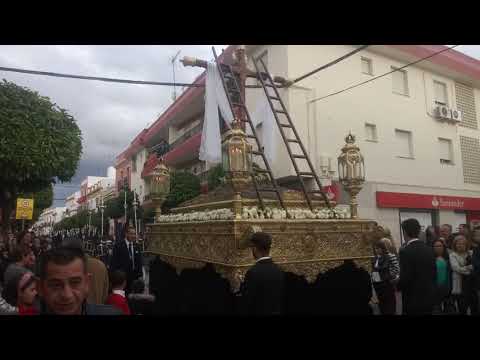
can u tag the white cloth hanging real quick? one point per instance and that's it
(263, 115)
(215, 98)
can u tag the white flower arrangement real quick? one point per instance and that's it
(207, 215)
(256, 213)
(295, 213)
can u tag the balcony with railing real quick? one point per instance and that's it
(186, 135)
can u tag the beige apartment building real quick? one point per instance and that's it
(417, 127)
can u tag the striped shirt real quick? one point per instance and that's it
(6, 308)
(394, 266)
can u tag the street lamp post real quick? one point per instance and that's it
(125, 198)
(135, 204)
(102, 209)
(89, 221)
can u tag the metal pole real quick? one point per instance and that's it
(135, 213)
(101, 209)
(125, 204)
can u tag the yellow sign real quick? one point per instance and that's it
(24, 209)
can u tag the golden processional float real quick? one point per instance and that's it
(310, 236)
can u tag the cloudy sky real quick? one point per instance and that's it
(109, 114)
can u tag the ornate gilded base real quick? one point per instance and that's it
(302, 247)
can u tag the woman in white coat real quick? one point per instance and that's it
(461, 263)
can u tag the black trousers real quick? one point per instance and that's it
(386, 297)
(462, 303)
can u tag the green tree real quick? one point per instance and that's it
(115, 208)
(215, 176)
(40, 144)
(183, 186)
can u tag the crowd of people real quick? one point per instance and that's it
(437, 271)
(41, 275)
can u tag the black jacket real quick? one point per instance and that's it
(121, 261)
(263, 289)
(383, 267)
(88, 309)
(476, 267)
(417, 278)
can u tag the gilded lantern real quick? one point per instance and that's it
(159, 181)
(236, 157)
(351, 171)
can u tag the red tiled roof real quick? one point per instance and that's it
(451, 59)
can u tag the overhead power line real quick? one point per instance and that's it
(71, 76)
(385, 74)
(363, 47)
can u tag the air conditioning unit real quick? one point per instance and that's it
(443, 112)
(456, 115)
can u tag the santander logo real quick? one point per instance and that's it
(457, 203)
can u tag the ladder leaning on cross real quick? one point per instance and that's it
(236, 94)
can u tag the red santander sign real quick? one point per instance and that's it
(421, 201)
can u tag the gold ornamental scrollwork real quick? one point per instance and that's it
(181, 264)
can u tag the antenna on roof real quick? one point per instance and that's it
(173, 59)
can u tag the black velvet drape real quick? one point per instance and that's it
(345, 290)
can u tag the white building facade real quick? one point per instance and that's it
(418, 164)
(48, 218)
(71, 203)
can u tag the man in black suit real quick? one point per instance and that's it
(417, 272)
(127, 257)
(264, 286)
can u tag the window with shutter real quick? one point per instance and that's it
(404, 143)
(440, 90)
(445, 149)
(399, 81)
(370, 132)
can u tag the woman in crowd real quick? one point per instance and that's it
(385, 273)
(476, 267)
(21, 292)
(460, 260)
(444, 277)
